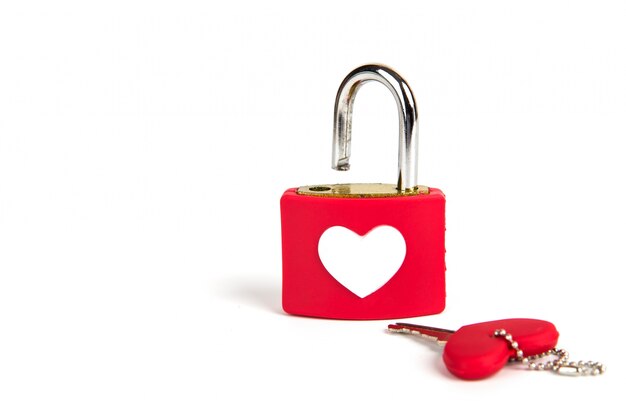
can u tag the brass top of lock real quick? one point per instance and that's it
(360, 190)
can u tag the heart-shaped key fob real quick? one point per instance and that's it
(475, 352)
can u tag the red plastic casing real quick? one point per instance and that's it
(474, 352)
(417, 288)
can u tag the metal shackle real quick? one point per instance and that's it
(407, 113)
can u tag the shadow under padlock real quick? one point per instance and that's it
(315, 282)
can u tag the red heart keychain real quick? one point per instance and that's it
(475, 352)
(479, 350)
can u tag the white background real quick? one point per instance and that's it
(144, 147)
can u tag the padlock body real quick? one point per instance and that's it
(416, 289)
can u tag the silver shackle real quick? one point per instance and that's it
(407, 113)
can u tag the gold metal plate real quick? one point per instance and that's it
(356, 190)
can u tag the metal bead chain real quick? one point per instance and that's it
(559, 365)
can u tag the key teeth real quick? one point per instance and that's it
(403, 330)
(398, 330)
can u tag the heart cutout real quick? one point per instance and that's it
(473, 352)
(362, 264)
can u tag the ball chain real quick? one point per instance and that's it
(559, 365)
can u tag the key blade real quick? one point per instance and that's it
(441, 336)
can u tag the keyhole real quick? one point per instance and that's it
(319, 188)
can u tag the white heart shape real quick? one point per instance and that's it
(362, 264)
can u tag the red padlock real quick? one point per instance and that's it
(407, 212)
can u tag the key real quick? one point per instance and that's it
(479, 350)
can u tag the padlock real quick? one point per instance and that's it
(414, 214)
